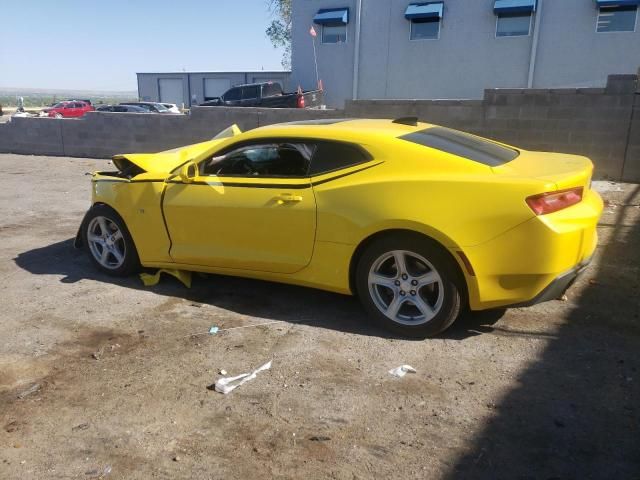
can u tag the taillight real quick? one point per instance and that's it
(300, 101)
(553, 201)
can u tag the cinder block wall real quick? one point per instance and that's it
(603, 124)
(596, 122)
(104, 134)
(631, 168)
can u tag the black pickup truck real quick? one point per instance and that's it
(266, 95)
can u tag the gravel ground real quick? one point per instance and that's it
(101, 377)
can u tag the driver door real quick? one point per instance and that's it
(252, 208)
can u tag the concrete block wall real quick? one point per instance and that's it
(631, 169)
(104, 134)
(596, 122)
(603, 124)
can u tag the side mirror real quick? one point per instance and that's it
(188, 172)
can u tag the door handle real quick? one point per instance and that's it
(288, 198)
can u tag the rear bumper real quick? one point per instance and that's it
(536, 260)
(557, 287)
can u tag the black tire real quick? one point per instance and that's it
(449, 284)
(130, 263)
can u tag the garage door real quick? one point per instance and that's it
(171, 90)
(214, 87)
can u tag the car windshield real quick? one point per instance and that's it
(59, 105)
(161, 107)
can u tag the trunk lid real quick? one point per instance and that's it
(564, 170)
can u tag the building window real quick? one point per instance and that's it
(425, 29)
(513, 24)
(620, 18)
(424, 19)
(334, 23)
(334, 33)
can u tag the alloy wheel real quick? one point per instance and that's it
(106, 242)
(406, 287)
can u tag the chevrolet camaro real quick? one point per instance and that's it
(419, 221)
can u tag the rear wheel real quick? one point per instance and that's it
(108, 242)
(409, 285)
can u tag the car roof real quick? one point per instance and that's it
(257, 84)
(341, 128)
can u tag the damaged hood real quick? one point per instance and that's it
(167, 161)
(162, 162)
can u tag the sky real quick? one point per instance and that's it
(101, 44)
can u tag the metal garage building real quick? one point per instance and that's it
(192, 88)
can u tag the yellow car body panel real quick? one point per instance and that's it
(306, 231)
(266, 229)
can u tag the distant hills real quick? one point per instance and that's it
(41, 97)
(64, 92)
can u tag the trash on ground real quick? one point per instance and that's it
(215, 329)
(223, 372)
(228, 384)
(82, 426)
(30, 391)
(96, 473)
(150, 280)
(605, 186)
(319, 438)
(402, 370)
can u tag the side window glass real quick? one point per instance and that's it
(272, 160)
(331, 156)
(232, 95)
(249, 93)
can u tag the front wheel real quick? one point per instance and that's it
(409, 285)
(108, 242)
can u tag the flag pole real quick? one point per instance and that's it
(315, 60)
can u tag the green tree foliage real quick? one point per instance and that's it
(279, 31)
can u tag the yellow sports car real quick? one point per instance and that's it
(417, 220)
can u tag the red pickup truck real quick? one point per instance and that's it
(70, 109)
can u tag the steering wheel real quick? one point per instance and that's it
(241, 166)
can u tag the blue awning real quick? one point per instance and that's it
(617, 3)
(514, 6)
(424, 10)
(332, 16)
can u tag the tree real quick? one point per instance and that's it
(279, 31)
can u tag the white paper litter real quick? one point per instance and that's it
(402, 370)
(228, 384)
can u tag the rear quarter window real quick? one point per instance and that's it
(463, 145)
(271, 90)
(330, 156)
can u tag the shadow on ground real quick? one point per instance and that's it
(265, 300)
(575, 414)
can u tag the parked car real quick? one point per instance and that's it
(172, 107)
(419, 221)
(152, 107)
(68, 109)
(85, 100)
(121, 109)
(267, 95)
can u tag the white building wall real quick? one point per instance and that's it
(466, 59)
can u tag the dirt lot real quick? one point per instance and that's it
(102, 378)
